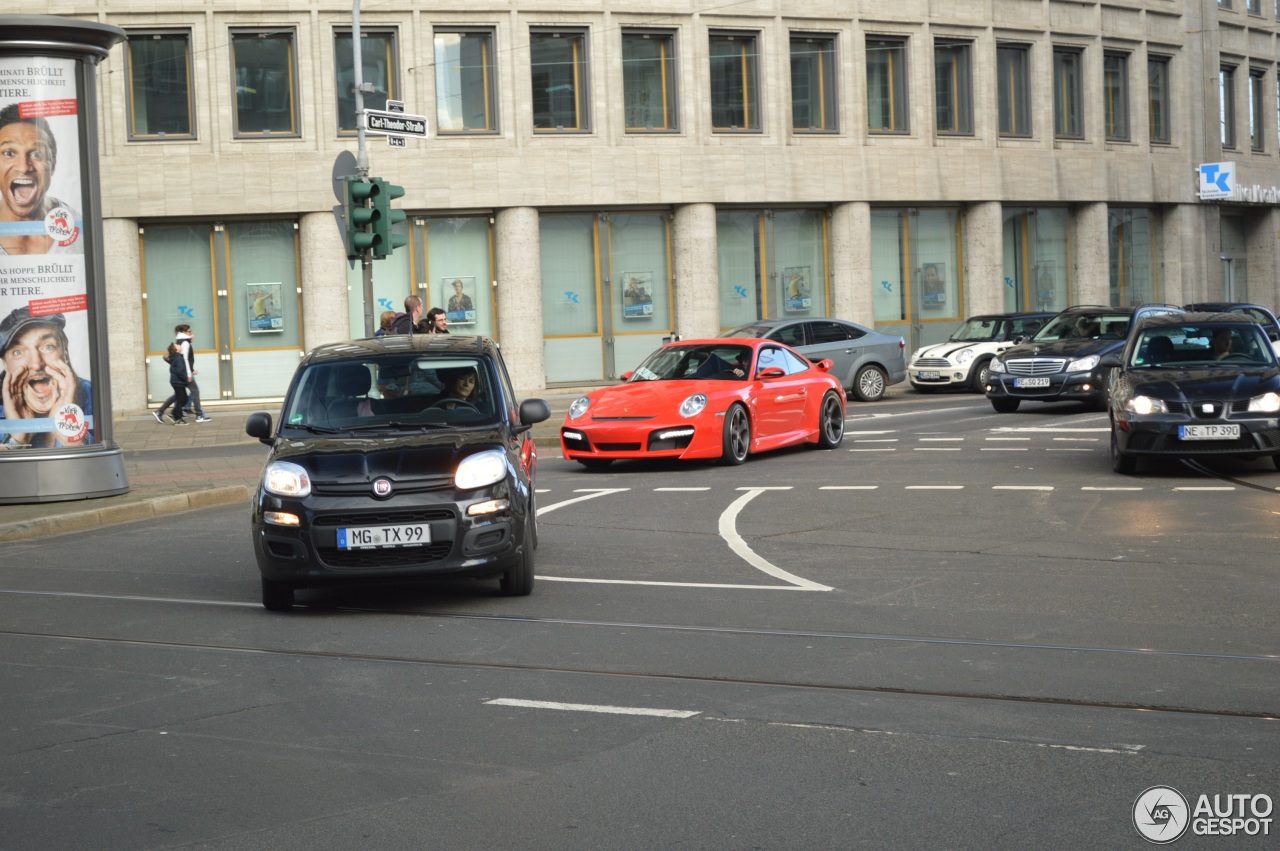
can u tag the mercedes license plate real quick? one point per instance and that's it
(1031, 382)
(375, 537)
(1229, 431)
(928, 375)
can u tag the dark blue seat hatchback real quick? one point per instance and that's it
(395, 459)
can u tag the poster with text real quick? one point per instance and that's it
(266, 314)
(637, 295)
(44, 321)
(456, 293)
(795, 289)
(933, 284)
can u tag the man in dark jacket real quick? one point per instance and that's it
(405, 322)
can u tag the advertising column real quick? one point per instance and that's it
(55, 423)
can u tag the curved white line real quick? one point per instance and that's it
(728, 531)
(592, 495)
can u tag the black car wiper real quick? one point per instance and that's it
(314, 429)
(394, 424)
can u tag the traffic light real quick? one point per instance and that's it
(361, 214)
(385, 219)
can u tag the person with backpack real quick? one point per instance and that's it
(404, 323)
(183, 336)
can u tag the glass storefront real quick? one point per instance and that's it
(1133, 245)
(917, 268)
(237, 286)
(772, 264)
(1037, 246)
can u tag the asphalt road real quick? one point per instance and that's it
(958, 630)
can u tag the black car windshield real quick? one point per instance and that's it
(1102, 325)
(392, 391)
(1203, 345)
(704, 361)
(977, 330)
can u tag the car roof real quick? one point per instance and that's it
(1199, 318)
(396, 344)
(1027, 315)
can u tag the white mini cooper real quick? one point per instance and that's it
(960, 363)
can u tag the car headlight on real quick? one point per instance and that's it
(1267, 403)
(995, 365)
(1143, 405)
(962, 357)
(693, 406)
(579, 407)
(283, 478)
(1083, 365)
(483, 468)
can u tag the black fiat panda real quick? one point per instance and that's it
(397, 458)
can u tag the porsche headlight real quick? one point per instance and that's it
(1267, 403)
(483, 468)
(996, 365)
(693, 406)
(579, 407)
(283, 478)
(963, 356)
(1143, 405)
(1083, 365)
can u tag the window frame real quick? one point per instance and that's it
(1115, 105)
(960, 88)
(581, 78)
(1018, 86)
(1257, 109)
(290, 35)
(749, 78)
(489, 81)
(1227, 106)
(897, 80)
(136, 36)
(393, 63)
(669, 73)
(827, 64)
(1068, 92)
(1159, 124)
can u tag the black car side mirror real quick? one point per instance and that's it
(532, 411)
(258, 425)
(1112, 360)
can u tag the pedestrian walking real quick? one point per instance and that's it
(182, 337)
(178, 379)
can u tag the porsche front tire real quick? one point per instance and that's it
(737, 436)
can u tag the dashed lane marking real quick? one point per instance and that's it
(588, 707)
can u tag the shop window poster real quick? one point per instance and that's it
(795, 289)
(637, 295)
(456, 294)
(933, 284)
(266, 315)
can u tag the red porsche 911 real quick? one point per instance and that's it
(724, 398)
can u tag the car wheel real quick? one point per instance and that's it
(518, 579)
(595, 463)
(1121, 462)
(868, 384)
(1005, 406)
(978, 378)
(830, 422)
(737, 436)
(276, 596)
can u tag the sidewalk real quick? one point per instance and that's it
(174, 469)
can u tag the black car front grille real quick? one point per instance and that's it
(617, 447)
(1145, 441)
(399, 486)
(386, 557)
(1035, 366)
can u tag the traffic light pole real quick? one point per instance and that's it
(362, 160)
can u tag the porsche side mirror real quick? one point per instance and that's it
(825, 364)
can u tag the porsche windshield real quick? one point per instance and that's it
(706, 361)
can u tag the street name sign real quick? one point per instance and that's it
(395, 123)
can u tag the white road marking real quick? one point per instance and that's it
(848, 433)
(727, 585)
(937, 448)
(1022, 487)
(877, 440)
(942, 439)
(1049, 429)
(877, 449)
(590, 494)
(848, 487)
(728, 531)
(1027, 439)
(1204, 489)
(1090, 488)
(678, 490)
(1078, 439)
(587, 707)
(767, 488)
(1004, 449)
(934, 487)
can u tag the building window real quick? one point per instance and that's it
(1037, 247)
(1227, 105)
(953, 80)
(1068, 93)
(266, 99)
(735, 92)
(378, 73)
(1254, 7)
(1115, 84)
(1158, 99)
(559, 80)
(813, 83)
(1134, 249)
(466, 97)
(1255, 109)
(160, 86)
(649, 81)
(1013, 63)
(887, 85)
(1224, 4)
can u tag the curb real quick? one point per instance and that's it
(78, 521)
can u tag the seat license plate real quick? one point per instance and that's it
(928, 375)
(377, 537)
(1229, 431)
(1031, 382)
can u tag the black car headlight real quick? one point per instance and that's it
(283, 478)
(1083, 364)
(481, 469)
(995, 365)
(1267, 403)
(1143, 405)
